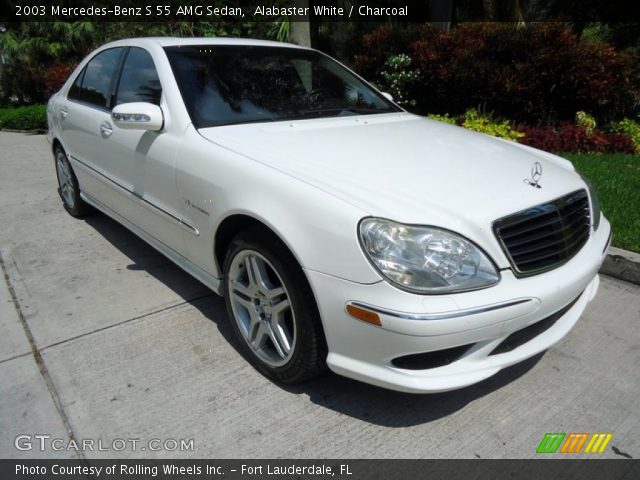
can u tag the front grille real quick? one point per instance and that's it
(543, 237)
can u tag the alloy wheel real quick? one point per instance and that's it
(65, 179)
(262, 308)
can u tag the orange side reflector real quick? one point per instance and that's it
(364, 315)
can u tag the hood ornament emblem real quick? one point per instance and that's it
(536, 175)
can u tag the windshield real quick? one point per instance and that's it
(223, 85)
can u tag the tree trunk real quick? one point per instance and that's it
(301, 30)
(504, 10)
(441, 14)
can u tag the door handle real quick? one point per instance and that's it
(64, 112)
(106, 129)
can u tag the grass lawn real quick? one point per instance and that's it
(616, 178)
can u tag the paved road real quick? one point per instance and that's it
(108, 340)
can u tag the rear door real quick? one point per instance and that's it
(84, 117)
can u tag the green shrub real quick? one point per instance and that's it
(443, 118)
(398, 78)
(378, 45)
(24, 118)
(628, 127)
(586, 121)
(473, 120)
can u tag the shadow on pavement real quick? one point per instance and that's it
(145, 258)
(348, 397)
(396, 409)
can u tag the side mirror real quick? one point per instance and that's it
(388, 96)
(138, 116)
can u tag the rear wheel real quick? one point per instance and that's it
(68, 188)
(273, 311)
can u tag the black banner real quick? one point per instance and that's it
(214, 10)
(547, 469)
(582, 11)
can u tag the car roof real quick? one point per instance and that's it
(180, 41)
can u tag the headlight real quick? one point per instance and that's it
(425, 259)
(596, 213)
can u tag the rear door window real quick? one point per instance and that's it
(97, 80)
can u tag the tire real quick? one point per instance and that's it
(68, 187)
(272, 308)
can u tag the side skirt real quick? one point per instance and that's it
(213, 283)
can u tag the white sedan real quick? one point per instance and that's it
(342, 231)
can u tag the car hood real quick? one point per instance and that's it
(406, 168)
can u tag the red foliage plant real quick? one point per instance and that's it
(540, 74)
(568, 138)
(55, 75)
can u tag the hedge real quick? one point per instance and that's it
(583, 136)
(541, 74)
(24, 118)
(569, 138)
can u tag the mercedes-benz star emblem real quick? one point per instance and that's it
(536, 175)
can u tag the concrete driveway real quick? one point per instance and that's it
(103, 338)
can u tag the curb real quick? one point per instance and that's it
(622, 264)
(35, 131)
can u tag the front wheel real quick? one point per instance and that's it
(273, 311)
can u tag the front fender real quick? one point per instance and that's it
(319, 228)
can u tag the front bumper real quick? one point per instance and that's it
(481, 320)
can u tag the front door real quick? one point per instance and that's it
(140, 163)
